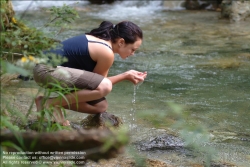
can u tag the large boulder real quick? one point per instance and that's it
(235, 10)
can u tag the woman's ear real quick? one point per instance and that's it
(121, 42)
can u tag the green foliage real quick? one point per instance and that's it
(11, 145)
(30, 42)
(10, 68)
(58, 90)
(10, 116)
(62, 17)
(7, 123)
(121, 137)
(26, 42)
(140, 161)
(195, 136)
(2, 10)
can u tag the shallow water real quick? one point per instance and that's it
(194, 59)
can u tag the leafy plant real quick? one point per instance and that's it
(29, 43)
(195, 136)
(58, 89)
(61, 17)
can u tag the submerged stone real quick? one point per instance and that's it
(162, 142)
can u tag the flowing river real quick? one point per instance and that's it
(194, 59)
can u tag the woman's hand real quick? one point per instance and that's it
(135, 76)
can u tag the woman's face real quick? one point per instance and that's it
(126, 50)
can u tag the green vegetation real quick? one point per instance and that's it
(29, 43)
(195, 136)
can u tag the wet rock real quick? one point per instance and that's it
(162, 142)
(240, 10)
(76, 126)
(235, 10)
(226, 9)
(103, 120)
(222, 164)
(101, 1)
(202, 4)
(25, 78)
(192, 5)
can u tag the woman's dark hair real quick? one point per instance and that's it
(127, 30)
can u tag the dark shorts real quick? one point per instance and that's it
(46, 76)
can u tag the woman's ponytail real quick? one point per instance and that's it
(103, 31)
(127, 30)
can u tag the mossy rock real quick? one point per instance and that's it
(102, 120)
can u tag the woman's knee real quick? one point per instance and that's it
(105, 87)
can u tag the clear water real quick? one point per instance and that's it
(194, 59)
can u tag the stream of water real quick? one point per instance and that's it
(194, 59)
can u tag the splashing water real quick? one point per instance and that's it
(133, 125)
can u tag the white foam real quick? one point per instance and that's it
(35, 5)
(127, 10)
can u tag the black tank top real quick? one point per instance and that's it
(76, 50)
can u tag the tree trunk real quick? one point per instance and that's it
(89, 142)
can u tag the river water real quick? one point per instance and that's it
(193, 59)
